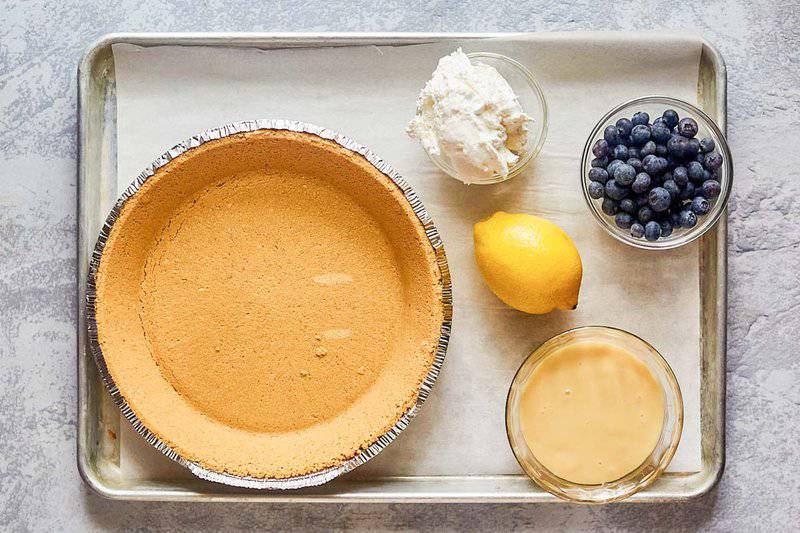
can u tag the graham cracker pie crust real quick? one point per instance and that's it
(268, 304)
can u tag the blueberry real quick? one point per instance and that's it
(649, 148)
(713, 160)
(610, 207)
(624, 174)
(598, 174)
(672, 188)
(640, 134)
(670, 118)
(695, 171)
(652, 231)
(700, 158)
(710, 189)
(707, 175)
(666, 176)
(625, 126)
(641, 184)
(627, 205)
(688, 219)
(677, 145)
(612, 167)
(700, 206)
(636, 163)
(675, 218)
(600, 148)
(654, 165)
(687, 191)
(599, 162)
(681, 176)
(641, 201)
(620, 151)
(663, 164)
(637, 230)
(707, 145)
(666, 228)
(634, 152)
(661, 134)
(659, 199)
(615, 191)
(611, 135)
(625, 139)
(687, 127)
(596, 190)
(640, 118)
(623, 220)
(645, 215)
(659, 121)
(661, 150)
(692, 148)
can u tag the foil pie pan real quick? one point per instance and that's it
(365, 454)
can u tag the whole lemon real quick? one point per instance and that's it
(528, 262)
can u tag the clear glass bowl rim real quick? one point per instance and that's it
(537, 148)
(710, 220)
(556, 488)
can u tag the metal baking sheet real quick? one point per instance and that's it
(98, 416)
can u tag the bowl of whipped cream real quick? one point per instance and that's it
(482, 117)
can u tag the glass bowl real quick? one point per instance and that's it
(652, 466)
(655, 106)
(532, 100)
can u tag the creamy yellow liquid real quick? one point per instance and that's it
(591, 412)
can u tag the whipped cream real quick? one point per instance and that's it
(468, 115)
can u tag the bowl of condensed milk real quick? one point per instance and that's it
(594, 415)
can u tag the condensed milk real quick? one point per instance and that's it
(591, 412)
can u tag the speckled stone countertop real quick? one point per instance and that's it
(40, 44)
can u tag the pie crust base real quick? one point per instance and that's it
(268, 304)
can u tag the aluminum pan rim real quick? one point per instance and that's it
(322, 476)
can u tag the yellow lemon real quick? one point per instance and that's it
(528, 262)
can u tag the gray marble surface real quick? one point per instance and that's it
(40, 43)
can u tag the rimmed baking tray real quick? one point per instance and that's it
(98, 416)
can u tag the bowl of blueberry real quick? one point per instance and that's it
(656, 172)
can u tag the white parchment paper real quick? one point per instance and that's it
(166, 94)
